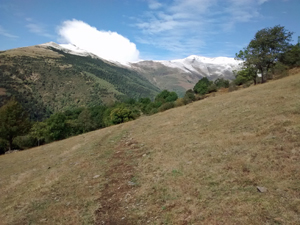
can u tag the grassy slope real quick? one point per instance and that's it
(195, 164)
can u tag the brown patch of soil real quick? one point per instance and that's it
(119, 191)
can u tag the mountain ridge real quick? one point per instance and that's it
(177, 75)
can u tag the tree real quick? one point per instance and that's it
(201, 86)
(145, 101)
(291, 57)
(85, 121)
(166, 96)
(245, 75)
(39, 131)
(121, 114)
(265, 49)
(57, 127)
(14, 121)
(221, 82)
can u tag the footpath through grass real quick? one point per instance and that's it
(196, 164)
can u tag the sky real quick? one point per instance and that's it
(131, 30)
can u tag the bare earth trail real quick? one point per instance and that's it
(196, 164)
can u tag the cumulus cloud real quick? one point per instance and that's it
(105, 44)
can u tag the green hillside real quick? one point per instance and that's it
(229, 159)
(47, 80)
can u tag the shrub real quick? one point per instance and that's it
(121, 115)
(232, 87)
(240, 80)
(189, 95)
(153, 111)
(25, 142)
(281, 70)
(166, 106)
(180, 102)
(221, 82)
(212, 88)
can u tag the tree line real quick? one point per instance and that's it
(18, 132)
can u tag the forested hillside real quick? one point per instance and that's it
(46, 80)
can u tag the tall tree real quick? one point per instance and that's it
(14, 121)
(265, 49)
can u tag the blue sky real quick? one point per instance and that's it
(145, 29)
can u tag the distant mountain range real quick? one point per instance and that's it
(175, 75)
(51, 77)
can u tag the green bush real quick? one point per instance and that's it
(221, 82)
(121, 115)
(166, 96)
(189, 95)
(239, 80)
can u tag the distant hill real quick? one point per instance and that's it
(45, 78)
(229, 159)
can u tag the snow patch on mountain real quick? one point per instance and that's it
(74, 50)
(204, 65)
(69, 48)
(199, 65)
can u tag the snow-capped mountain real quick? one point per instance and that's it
(176, 75)
(182, 74)
(74, 50)
(205, 66)
(69, 48)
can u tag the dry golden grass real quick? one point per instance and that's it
(196, 164)
(32, 51)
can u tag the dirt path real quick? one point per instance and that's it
(121, 183)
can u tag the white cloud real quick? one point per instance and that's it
(154, 4)
(181, 26)
(106, 44)
(38, 29)
(6, 34)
